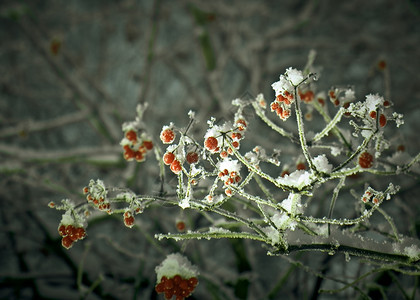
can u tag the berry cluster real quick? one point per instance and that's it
(178, 286)
(215, 138)
(307, 96)
(97, 199)
(281, 105)
(229, 174)
(136, 147)
(341, 96)
(71, 234)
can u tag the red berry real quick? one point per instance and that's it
(169, 284)
(372, 114)
(284, 173)
(160, 287)
(66, 242)
(366, 160)
(192, 157)
(148, 145)
(211, 143)
(168, 158)
(192, 282)
(128, 153)
(62, 230)
(85, 190)
(167, 136)
(138, 155)
(131, 135)
(81, 233)
(241, 124)
(176, 166)
(382, 65)
(183, 284)
(69, 229)
(129, 221)
(382, 120)
(300, 166)
(235, 144)
(177, 279)
(223, 154)
(74, 235)
(180, 226)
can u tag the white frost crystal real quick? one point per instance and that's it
(298, 179)
(322, 164)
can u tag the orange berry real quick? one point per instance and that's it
(223, 154)
(176, 166)
(167, 136)
(228, 192)
(168, 158)
(274, 106)
(192, 157)
(321, 101)
(85, 190)
(365, 160)
(307, 97)
(235, 144)
(211, 143)
(241, 124)
(236, 135)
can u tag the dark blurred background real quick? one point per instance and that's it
(71, 72)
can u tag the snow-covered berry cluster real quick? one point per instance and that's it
(284, 92)
(70, 234)
(136, 142)
(96, 193)
(229, 174)
(223, 139)
(176, 276)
